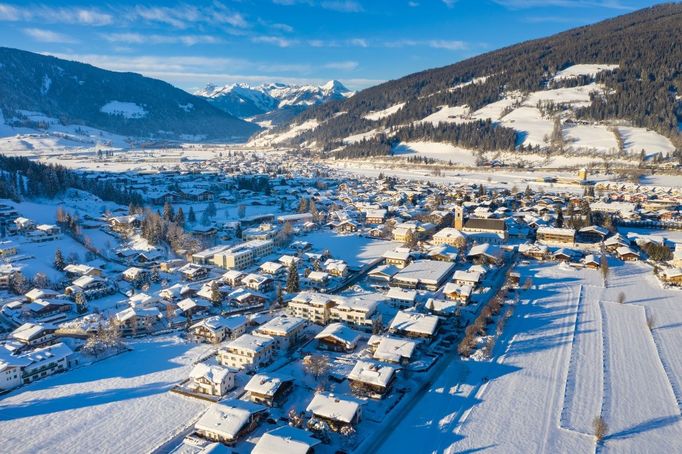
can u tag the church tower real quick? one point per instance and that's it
(459, 217)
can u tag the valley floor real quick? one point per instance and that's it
(569, 353)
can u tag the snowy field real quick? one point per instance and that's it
(448, 114)
(530, 122)
(569, 353)
(379, 114)
(583, 70)
(353, 249)
(438, 151)
(590, 137)
(638, 139)
(119, 405)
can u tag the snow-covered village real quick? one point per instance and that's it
(210, 244)
(273, 303)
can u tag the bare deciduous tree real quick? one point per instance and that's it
(600, 428)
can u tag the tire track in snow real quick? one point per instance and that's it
(571, 377)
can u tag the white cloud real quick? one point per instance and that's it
(51, 15)
(138, 38)
(449, 3)
(449, 45)
(354, 42)
(523, 4)
(342, 65)
(275, 40)
(344, 6)
(434, 43)
(47, 36)
(283, 27)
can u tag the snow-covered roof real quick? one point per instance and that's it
(371, 373)
(331, 407)
(467, 276)
(214, 374)
(250, 342)
(28, 331)
(555, 231)
(452, 288)
(398, 293)
(427, 271)
(282, 325)
(341, 333)
(227, 418)
(392, 349)
(415, 323)
(137, 311)
(266, 385)
(286, 440)
(217, 322)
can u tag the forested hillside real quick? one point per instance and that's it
(124, 103)
(643, 90)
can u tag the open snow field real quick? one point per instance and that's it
(438, 151)
(353, 249)
(638, 139)
(569, 353)
(379, 114)
(533, 126)
(590, 137)
(119, 405)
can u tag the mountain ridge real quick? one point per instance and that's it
(124, 103)
(274, 102)
(515, 86)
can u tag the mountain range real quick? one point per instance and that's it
(273, 103)
(123, 103)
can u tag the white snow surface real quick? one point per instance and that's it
(120, 404)
(379, 114)
(435, 150)
(569, 353)
(128, 110)
(448, 114)
(590, 137)
(638, 139)
(530, 121)
(583, 70)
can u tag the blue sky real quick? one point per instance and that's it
(360, 42)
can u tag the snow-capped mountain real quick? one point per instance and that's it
(271, 103)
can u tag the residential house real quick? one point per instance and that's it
(391, 349)
(412, 324)
(211, 380)
(248, 352)
(371, 379)
(336, 412)
(229, 420)
(338, 337)
(216, 329)
(269, 389)
(287, 331)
